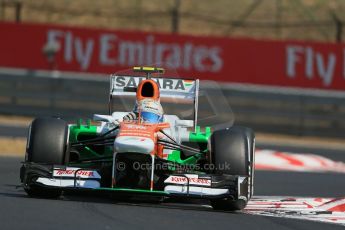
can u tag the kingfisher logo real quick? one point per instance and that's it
(163, 83)
(191, 180)
(76, 172)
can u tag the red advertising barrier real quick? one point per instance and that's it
(288, 63)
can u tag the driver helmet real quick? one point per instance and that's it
(150, 111)
(148, 102)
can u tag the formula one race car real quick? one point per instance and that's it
(144, 151)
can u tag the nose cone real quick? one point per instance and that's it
(133, 144)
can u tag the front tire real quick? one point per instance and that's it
(46, 146)
(234, 147)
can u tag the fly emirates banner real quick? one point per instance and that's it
(237, 60)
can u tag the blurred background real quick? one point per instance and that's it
(279, 65)
(317, 20)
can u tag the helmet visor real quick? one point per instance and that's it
(150, 117)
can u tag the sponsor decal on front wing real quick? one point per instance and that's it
(183, 180)
(79, 173)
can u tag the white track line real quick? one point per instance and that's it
(315, 209)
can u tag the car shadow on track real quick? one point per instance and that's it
(16, 191)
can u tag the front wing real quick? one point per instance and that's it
(203, 186)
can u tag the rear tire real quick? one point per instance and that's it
(46, 145)
(234, 147)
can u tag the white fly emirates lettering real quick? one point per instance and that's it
(310, 63)
(109, 49)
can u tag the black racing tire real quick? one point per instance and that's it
(46, 145)
(233, 147)
(47, 141)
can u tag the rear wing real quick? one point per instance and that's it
(170, 88)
